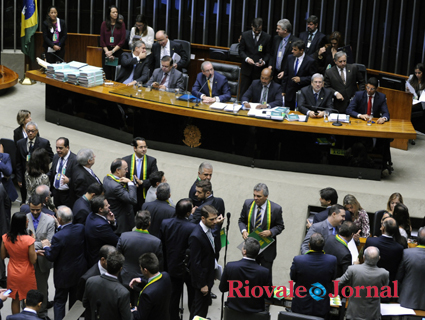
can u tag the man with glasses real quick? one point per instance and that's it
(211, 87)
(167, 77)
(134, 66)
(164, 47)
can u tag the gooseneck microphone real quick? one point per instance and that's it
(200, 93)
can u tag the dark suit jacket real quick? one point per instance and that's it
(305, 71)
(358, 105)
(114, 298)
(288, 51)
(121, 202)
(67, 253)
(306, 270)
(318, 42)
(217, 203)
(245, 270)
(192, 192)
(159, 211)
(334, 82)
(81, 210)
(48, 36)
(93, 271)
(127, 62)
(175, 79)
(70, 165)
(154, 302)
(6, 169)
(174, 234)
(307, 102)
(341, 252)
(22, 152)
(323, 215)
(18, 134)
(219, 88)
(174, 48)
(253, 94)
(82, 180)
(24, 315)
(247, 48)
(132, 245)
(276, 225)
(98, 232)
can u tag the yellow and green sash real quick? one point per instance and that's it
(141, 230)
(267, 216)
(420, 246)
(314, 251)
(117, 180)
(338, 238)
(144, 170)
(154, 279)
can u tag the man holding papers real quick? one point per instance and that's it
(164, 47)
(265, 214)
(315, 99)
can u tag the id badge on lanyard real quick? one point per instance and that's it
(111, 38)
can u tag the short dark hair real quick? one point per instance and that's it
(114, 262)
(421, 236)
(183, 207)
(142, 219)
(207, 210)
(298, 44)
(95, 188)
(317, 242)
(97, 203)
(134, 141)
(150, 262)
(373, 81)
(257, 22)
(167, 59)
(65, 141)
(106, 250)
(36, 199)
(329, 194)
(347, 229)
(313, 19)
(116, 165)
(163, 192)
(335, 208)
(156, 177)
(252, 247)
(34, 297)
(205, 185)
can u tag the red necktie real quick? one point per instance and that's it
(369, 106)
(164, 79)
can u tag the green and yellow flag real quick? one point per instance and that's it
(29, 24)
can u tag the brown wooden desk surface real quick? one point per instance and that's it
(8, 78)
(393, 129)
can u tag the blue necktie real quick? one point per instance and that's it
(334, 231)
(139, 167)
(296, 67)
(59, 175)
(315, 96)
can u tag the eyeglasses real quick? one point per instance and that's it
(31, 131)
(370, 88)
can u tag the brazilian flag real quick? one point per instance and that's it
(29, 24)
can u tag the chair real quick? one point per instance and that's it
(186, 48)
(296, 316)
(377, 222)
(9, 147)
(117, 71)
(185, 81)
(230, 314)
(219, 54)
(363, 70)
(232, 73)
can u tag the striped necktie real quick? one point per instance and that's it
(258, 218)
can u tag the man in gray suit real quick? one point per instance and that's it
(411, 275)
(328, 227)
(167, 77)
(121, 194)
(43, 227)
(366, 274)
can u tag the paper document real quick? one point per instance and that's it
(49, 50)
(394, 309)
(410, 88)
(218, 105)
(176, 58)
(42, 63)
(353, 249)
(232, 108)
(259, 113)
(341, 117)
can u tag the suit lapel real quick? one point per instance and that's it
(338, 76)
(348, 77)
(320, 98)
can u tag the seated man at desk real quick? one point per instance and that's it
(134, 66)
(264, 91)
(314, 100)
(166, 77)
(210, 86)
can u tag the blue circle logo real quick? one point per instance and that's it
(317, 291)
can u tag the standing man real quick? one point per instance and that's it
(167, 77)
(342, 79)
(156, 178)
(310, 270)
(214, 85)
(44, 192)
(265, 214)
(81, 208)
(140, 167)
(366, 274)
(297, 73)
(205, 172)
(134, 66)
(314, 100)
(83, 175)
(164, 47)
(60, 174)
(204, 194)
(313, 38)
(6, 171)
(121, 194)
(254, 49)
(282, 48)
(67, 253)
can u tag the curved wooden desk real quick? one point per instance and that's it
(8, 78)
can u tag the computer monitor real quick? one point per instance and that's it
(392, 82)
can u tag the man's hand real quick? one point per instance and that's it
(138, 181)
(220, 219)
(45, 243)
(250, 61)
(380, 120)
(206, 99)
(356, 236)
(110, 216)
(65, 179)
(20, 184)
(175, 66)
(161, 86)
(142, 55)
(261, 106)
(339, 96)
(308, 224)
(363, 117)
(125, 180)
(204, 290)
(265, 234)
(132, 83)
(134, 282)
(39, 253)
(193, 210)
(2, 296)
(296, 79)
(246, 105)
(56, 47)
(322, 50)
(244, 235)
(280, 75)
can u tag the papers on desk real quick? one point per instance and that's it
(77, 65)
(333, 117)
(226, 106)
(394, 309)
(42, 63)
(296, 117)
(276, 113)
(421, 98)
(176, 58)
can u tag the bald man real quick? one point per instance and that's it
(264, 91)
(164, 47)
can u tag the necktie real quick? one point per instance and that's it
(92, 173)
(315, 96)
(369, 106)
(255, 40)
(164, 79)
(264, 96)
(258, 218)
(334, 231)
(296, 67)
(57, 181)
(31, 148)
(282, 47)
(310, 36)
(139, 166)
(342, 76)
(209, 87)
(211, 238)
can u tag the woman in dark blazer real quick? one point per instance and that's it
(23, 117)
(54, 35)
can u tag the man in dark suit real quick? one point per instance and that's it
(24, 148)
(60, 174)
(140, 166)
(265, 214)
(174, 234)
(159, 209)
(205, 172)
(164, 47)
(411, 276)
(313, 38)
(244, 270)
(32, 307)
(134, 66)
(155, 179)
(83, 175)
(99, 229)
(343, 79)
(204, 245)
(310, 269)
(264, 91)
(204, 194)
(67, 252)
(154, 300)
(314, 100)
(328, 197)
(297, 73)
(214, 85)
(254, 49)
(105, 296)
(167, 77)
(338, 247)
(44, 192)
(81, 208)
(5, 173)
(121, 194)
(282, 48)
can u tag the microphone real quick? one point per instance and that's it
(337, 123)
(57, 56)
(200, 93)
(228, 220)
(97, 311)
